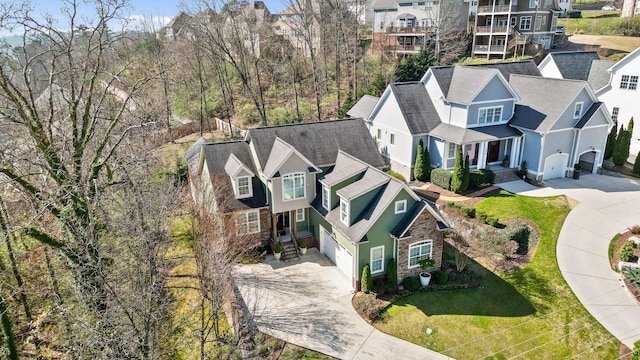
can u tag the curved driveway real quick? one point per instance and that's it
(608, 205)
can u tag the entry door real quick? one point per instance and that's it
(493, 150)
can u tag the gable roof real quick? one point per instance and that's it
(319, 142)
(192, 155)
(280, 152)
(574, 65)
(346, 167)
(588, 115)
(467, 82)
(416, 106)
(215, 158)
(402, 229)
(233, 166)
(629, 57)
(444, 74)
(598, 75)
(372, 179)
(364, 106)
(540, 106)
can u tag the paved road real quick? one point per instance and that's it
(608, 205)
(308, 303)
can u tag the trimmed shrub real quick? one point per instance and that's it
(523, 169)
(492, 221)
(621, 149)
(458, 183)
(392, 275)
(451, 205)
(367, 282)
(420, 172)
(482, 217)
(411, 283)
(440, 277)
(468, 211)
(442, 178)
(635, 355)
(262, 350)
(611, 142)
(633, 276)
(259, 338)
(273, 345)
(636, 165)
(367, 305)
(467, 275)
(626, 251)
(519, 233)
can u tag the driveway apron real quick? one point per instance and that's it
(307, 302)
(607, 206)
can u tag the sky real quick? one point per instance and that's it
(138, 13)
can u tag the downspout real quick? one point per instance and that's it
(356, 265)
(541, 155)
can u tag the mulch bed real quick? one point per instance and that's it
(622, 239)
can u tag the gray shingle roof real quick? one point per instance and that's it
(384, 4)
(364, 106)
(372, 179)
(598, 74)
(346, 167)
(416, 106)
(444, 74)
(574, 64)
(461, 135)
(540, 106)
(467, 82)
(402, 229)
(320, 141)
(279, 153)
(216, 156)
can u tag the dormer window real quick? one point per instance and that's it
(489, 115)
(344, 211)
(326, 200)
(243, 186)
(401, 206)
(293, 186)
(577, 110)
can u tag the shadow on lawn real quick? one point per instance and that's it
(494, 297)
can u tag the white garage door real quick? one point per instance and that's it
(337, 253)
(555, 166)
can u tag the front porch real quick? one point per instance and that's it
(289, 234)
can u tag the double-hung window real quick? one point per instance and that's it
(244, 186)
(525, 23)
(614, 115)
(419, 251)
(325, 197)
(248, 222)
(577, 110)
(293, 186)
(299, 215)
(377, 259)
(629, 82)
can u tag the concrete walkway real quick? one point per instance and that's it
(307, 302)
(608, 205)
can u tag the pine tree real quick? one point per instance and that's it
(392, 274)
(630, 126)
(621, 150)
(611, 142)
(636, 165)
(457, 181)
(367, 282)
(426, 162)
(465, 173)
(418, 167)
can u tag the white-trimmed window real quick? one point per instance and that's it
(248, 222)
(629, 82)
(538, 22)
(401, 206)
(489, 115)
(577, 110)
(243, 184)
(514, 21)
(344, 211)
(419, 251)
(299, 215)
(293, 186)
(614, 114)
(392, 139)
(525, 23)
(326, 200)
(379, 134)
(532, 4)
(377, 259)
(451, 154)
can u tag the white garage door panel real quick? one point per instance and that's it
(554, 166)
(337, 253)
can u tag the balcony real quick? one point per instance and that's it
(493, 9)
(405, 49)
(504, 30)
(492, 49)
(407, 30)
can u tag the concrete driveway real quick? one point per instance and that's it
(308, 303)
(608, 205)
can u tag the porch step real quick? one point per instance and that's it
(505, 175)
(289, 252)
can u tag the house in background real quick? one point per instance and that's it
(493, 119)
(621, 95)
(503, 28)
(614, 83)
(320, 182)
(403, 28)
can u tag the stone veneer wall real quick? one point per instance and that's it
(424, 228)
(265, 225)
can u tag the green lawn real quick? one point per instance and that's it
(592, 23)
(529, 314)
